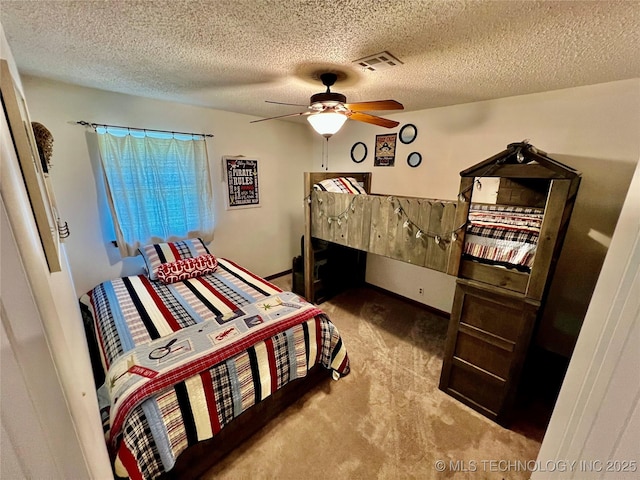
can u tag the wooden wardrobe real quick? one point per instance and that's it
(496, 309)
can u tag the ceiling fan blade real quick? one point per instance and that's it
(375, 105)
(365, 117)
(281, 116)
(283, 103)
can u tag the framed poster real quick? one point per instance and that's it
(385, 150)
(241, 177)
(41, 199)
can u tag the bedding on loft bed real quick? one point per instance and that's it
(503, 235)
(340, 185)
(191, 345)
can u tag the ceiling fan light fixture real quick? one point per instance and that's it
(327, 123)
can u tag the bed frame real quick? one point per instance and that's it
(375, 223)
(198, 458)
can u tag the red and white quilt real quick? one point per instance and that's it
(182, 360)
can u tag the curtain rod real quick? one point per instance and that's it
(94, 125)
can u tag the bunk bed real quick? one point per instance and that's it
(409, 229)
(503, 254)
(197, 354)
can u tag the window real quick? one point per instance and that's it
(159, 186)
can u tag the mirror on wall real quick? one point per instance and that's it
(408, 133)
(414, 159)
(358, 152)
(485, 190)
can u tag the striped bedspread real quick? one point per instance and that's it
(503, 235)
(142, 326)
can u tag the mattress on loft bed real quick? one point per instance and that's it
(502, 235)
(340, 185)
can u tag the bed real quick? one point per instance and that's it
(503, 235)
(341, 209)
(184, 349)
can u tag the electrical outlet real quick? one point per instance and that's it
(420, 291)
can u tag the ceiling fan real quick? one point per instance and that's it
(327, 111)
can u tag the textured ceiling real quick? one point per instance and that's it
(235, 54)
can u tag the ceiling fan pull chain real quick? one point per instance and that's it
(327, 162)
(325, 154)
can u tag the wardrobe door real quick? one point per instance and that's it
(489, 334)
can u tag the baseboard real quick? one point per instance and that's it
(424, 306)
(276, 275)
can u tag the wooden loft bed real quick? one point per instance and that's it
(409, 229)
(497, 304)
(310, 179)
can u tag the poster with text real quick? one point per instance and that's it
(385, 150)
(241, 175)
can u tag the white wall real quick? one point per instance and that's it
(593, 129)
(264, 239)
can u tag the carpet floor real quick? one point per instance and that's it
(387, 419)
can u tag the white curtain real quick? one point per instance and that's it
(159, 187)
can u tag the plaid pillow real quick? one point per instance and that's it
(187, 268)
(158, 253)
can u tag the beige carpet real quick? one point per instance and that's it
(387, 419)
